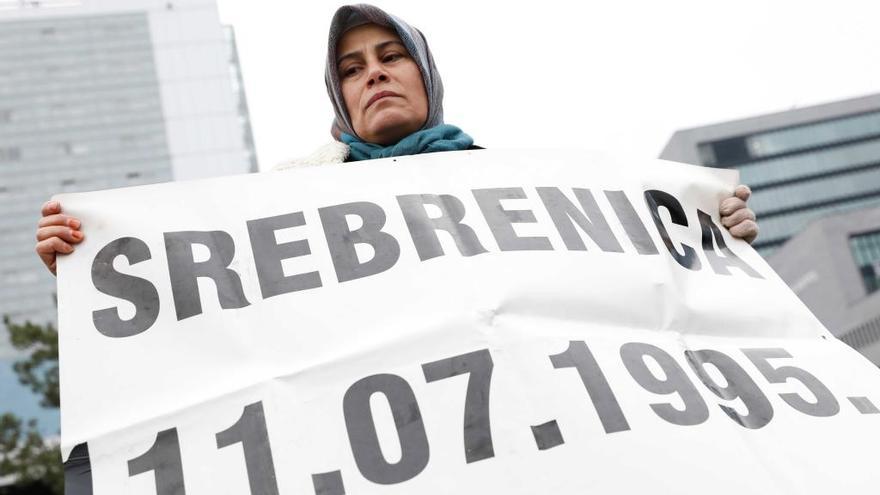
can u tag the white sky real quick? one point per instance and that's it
(617, 75)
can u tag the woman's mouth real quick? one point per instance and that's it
(378, 96)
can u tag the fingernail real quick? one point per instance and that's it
(73, 223)
(53, 204)
(76, 234)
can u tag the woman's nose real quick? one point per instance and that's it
(376, 75)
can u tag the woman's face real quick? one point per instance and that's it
(381, 85)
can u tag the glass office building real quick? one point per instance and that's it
(801, 164)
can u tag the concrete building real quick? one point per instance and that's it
(834, 267)
(96, 94)
(801, 164)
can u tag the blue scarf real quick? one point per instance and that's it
(443, 137)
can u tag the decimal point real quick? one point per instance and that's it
(329, 483)
(547, 435)
(864, 405)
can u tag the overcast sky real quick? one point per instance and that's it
(614, 75)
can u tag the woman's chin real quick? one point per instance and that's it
(391, 127)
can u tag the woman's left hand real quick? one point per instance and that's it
(737, 216)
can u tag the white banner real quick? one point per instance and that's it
(469, 322)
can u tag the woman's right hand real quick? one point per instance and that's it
(56, 234)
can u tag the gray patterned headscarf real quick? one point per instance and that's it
(351, 16)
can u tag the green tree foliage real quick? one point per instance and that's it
(40, 370)
(25, 455)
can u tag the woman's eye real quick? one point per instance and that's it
(391, 57)
(350, 71)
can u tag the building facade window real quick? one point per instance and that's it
(866, 253)
(12, 154)
(741, 150)
(814, 135)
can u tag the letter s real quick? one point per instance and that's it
(136, 290)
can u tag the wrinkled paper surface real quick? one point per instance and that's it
(493, 413)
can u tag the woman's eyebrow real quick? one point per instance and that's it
(377, 47)
(384, 44)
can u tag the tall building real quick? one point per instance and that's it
(97, 94)
(801, 164)
(240, 97)
(834, 267)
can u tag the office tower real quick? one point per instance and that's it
(801, 164)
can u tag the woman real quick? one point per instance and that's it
(388, 99)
